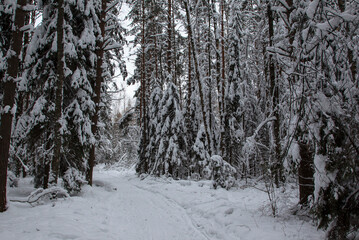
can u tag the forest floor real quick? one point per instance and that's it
(121, 206)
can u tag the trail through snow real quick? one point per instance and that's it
(123, 207)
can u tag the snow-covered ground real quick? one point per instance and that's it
(121, 206)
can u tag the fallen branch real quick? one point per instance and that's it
(38, 194)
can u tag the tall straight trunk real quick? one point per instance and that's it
(176, 80)
(274, 93)
(9, 85)
(210, 79)
(156, 57)
(189, 90)
(169, 40)
(197, 73)
(143, 164)
(350, 54)
(218, 59)
(223, 76)
(59, 92)
(142, 87)
(218, 71)
(143, 70)
(97, 89)
(223, 70)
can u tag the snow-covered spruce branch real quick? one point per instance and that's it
(112, 46)
(112, 6)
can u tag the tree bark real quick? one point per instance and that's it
(305, 173)
(58, 93)
(169, 40)
(97, 89)
(189, 88)
(274, 94)
(142, 166)
(223, 77)
(218, 61)
(350, 54)
(9, 97)
(210, 81)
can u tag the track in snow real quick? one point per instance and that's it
(122, 207)
(116, 210)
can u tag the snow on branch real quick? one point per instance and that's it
(29, 8)
(112, 5)
(41, 194)
(113, 46)
(28, 27)
(262, 124)
(251, 142)
(109, 28)
(284, 4)
(27, 169)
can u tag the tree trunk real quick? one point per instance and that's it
(189, 89)
(274, 94)
(210, 83)
(169, 40)
(58, 92)
(350, 54)
(197, 73)
(223, 70)
(218, 62)
(305, 173)
(9, 98)
(97, 89)
(142, 166)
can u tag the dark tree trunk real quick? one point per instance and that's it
(9, 98)
(218, 61)
(142, 166)
(350, 54)
(169, 40)
(223, 77)
(97, 90)
(210, 82)
(189, 89)
(305, 173)
(58, 93)
(274, 94)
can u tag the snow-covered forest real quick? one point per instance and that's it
(246, 119)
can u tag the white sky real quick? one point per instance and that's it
(129, 59)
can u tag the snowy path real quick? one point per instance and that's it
(124, 207)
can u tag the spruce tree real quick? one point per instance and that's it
(172, 143)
